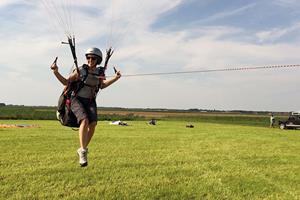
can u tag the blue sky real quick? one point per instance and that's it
(249, 15)
(150, 36)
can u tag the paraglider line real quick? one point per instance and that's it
(215, 70)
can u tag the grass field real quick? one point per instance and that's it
(167, 161)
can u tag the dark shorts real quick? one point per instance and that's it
(84, 108)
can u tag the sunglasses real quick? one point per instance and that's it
(91, 57)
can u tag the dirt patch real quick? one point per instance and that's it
(18, 126)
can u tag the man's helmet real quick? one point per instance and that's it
(95, 51)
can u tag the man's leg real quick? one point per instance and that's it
(83, 140)
(83, 133)
(91, 131)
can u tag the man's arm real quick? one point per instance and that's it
(61, 79)
(107, 83)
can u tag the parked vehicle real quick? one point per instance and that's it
(293, 122)
(296, 113)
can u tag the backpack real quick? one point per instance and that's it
(64, 113)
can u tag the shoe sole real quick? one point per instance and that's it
(83, 164)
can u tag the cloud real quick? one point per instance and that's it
(287, 3)
(32, 46)
(228, 13)
(4, 3)
(277, 33)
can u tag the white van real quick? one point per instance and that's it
(296, 113)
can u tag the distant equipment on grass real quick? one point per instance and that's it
(152, 122)
(189, 126)
(120, 123)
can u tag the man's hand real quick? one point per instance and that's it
(54, 66)
(118, 73)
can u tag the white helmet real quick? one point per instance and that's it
(95, 51)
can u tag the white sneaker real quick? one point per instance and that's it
(58, 117)
(82, 153)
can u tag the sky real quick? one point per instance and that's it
(151, 37)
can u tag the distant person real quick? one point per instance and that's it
(83, 103)
(272, 121)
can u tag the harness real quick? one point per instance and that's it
(64, 112)
(74, 87)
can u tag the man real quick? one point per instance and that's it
(83, 101)
(272, 121)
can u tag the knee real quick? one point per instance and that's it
(85, 122)
(93, 125)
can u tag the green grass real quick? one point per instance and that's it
(167, 161)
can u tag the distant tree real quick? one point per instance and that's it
(193, 110)
(2, 104)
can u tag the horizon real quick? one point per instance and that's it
(157, 109)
